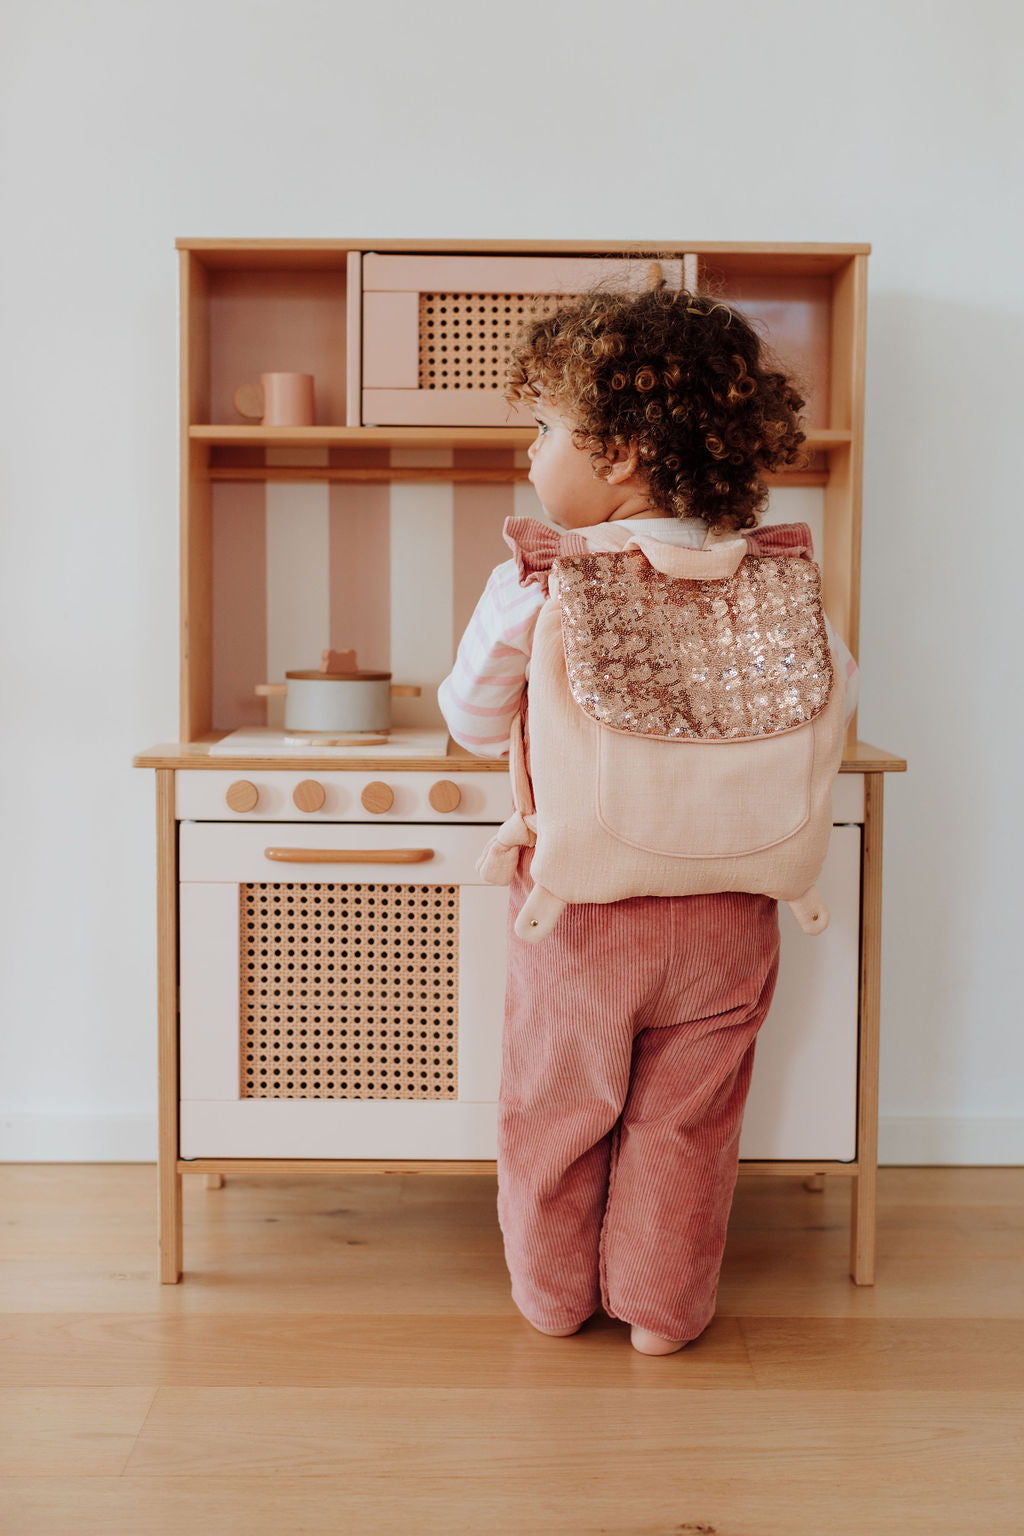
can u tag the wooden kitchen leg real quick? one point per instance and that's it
(168, 1177)
(864, 1190)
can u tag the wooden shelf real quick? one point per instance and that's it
(288, 1166)
(334, 473)
(862, 757)
(788, 256)
(819, 439)
(363, 437)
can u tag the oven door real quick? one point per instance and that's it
(341, 991)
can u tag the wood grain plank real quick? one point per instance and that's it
(886, 1354)
(87, 1430)
(564, 1437)
(764, 1501)
(329, 1349)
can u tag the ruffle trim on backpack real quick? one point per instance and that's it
(535, 546)
(781, 539)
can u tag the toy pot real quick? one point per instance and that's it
(347, 703)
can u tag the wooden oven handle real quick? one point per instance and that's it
(350, 855)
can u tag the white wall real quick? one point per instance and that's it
(126, 125)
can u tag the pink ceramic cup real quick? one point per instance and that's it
(288, 399)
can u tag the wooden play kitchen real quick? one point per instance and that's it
(330, 973)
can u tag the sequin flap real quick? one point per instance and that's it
(711, 660)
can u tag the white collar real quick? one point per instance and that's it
(688, 531)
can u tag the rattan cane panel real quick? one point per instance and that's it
(349, 991)
(466, 338)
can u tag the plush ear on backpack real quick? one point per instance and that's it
(541, 911)
(810, 911)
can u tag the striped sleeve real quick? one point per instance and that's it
(481, 695)
(848, 667)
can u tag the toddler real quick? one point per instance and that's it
(629, 1033)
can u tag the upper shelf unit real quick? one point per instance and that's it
(362, 316)
(402, 341)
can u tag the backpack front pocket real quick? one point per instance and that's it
(696, 800)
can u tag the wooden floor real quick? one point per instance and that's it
(343, 1356)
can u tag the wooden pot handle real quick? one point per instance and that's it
(248, 401)
(271, 690)
(405, 691)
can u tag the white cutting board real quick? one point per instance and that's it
(263, 741)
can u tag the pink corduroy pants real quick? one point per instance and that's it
(626, 1059)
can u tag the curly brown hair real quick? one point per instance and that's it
(682, 375)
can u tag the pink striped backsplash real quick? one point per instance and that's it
(239, 602)
(360, 557)
(392, 570)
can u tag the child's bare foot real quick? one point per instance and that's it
(649, 1343)
(556, 1333)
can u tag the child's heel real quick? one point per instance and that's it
(649, 1343)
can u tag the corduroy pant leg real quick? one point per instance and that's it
(674, 1158)
(570, 1007)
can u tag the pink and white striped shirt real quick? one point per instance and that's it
(481, 695)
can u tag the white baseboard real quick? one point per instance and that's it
(27, 1137)
(921, 1140)
(952, 1141)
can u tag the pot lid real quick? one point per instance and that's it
(342, 677)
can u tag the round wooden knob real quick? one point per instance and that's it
(242, 796)
(309, 795)
(444, 795)
(378, 797)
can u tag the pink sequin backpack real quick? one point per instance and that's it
(685, 722)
